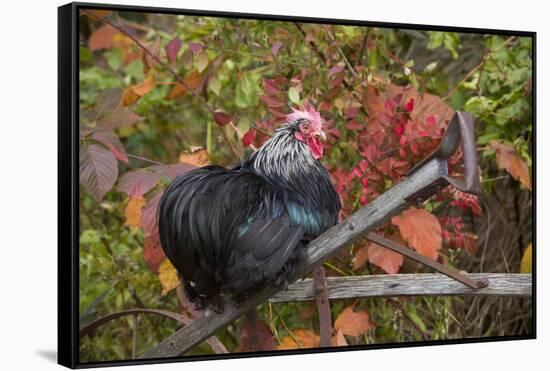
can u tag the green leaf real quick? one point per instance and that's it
(134, 69)
(90, 237)
(215, 85)
(114, 58)
(293, 95)
(202, 61)
(411, 310)
(247, 91)
(85, 54)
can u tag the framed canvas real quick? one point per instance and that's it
(237, 185)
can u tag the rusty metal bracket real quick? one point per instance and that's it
(323, 306)
(460, 129)
(448, 271)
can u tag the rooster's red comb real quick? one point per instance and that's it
(309, 114)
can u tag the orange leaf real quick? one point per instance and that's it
(421, 229)
(198, 157)
(508, 160)
(193, 79)
(353, 323)
(144, 87)
(133, 211)
(360, 258)
(338, 340)
(102, 38)
(305, 338)
(129, 97)
(384, 258)
(177, 91)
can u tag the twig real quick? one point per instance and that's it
(144, 159)
(346, 61)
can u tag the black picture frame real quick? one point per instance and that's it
(68, 183)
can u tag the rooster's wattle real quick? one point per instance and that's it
(233, 231)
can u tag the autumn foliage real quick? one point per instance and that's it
(155, 104)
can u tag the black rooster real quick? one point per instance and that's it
(233, 231)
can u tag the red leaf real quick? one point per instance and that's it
(258, 338)
(149, 215)
(275, 48)
(336, 69)
(111, 141)
(409, 106)
(138, 182)
(384, 258)
(337, 80)
(153, 253)
(195, 47)
(249, 137)
(98, 169)
(222, 118)
(148, 60)
(172, 49)
(272, 87)
(272, 102)
(351, 112)
(354, 125)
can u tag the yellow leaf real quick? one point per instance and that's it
(133, 211)
(527, 260)
(168, 277)
(353, 323)
(508, 160)
(300, 339)
(198, 157)
(96, 13)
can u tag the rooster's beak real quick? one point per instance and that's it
(321, 134)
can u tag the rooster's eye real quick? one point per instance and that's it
(305, 128)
